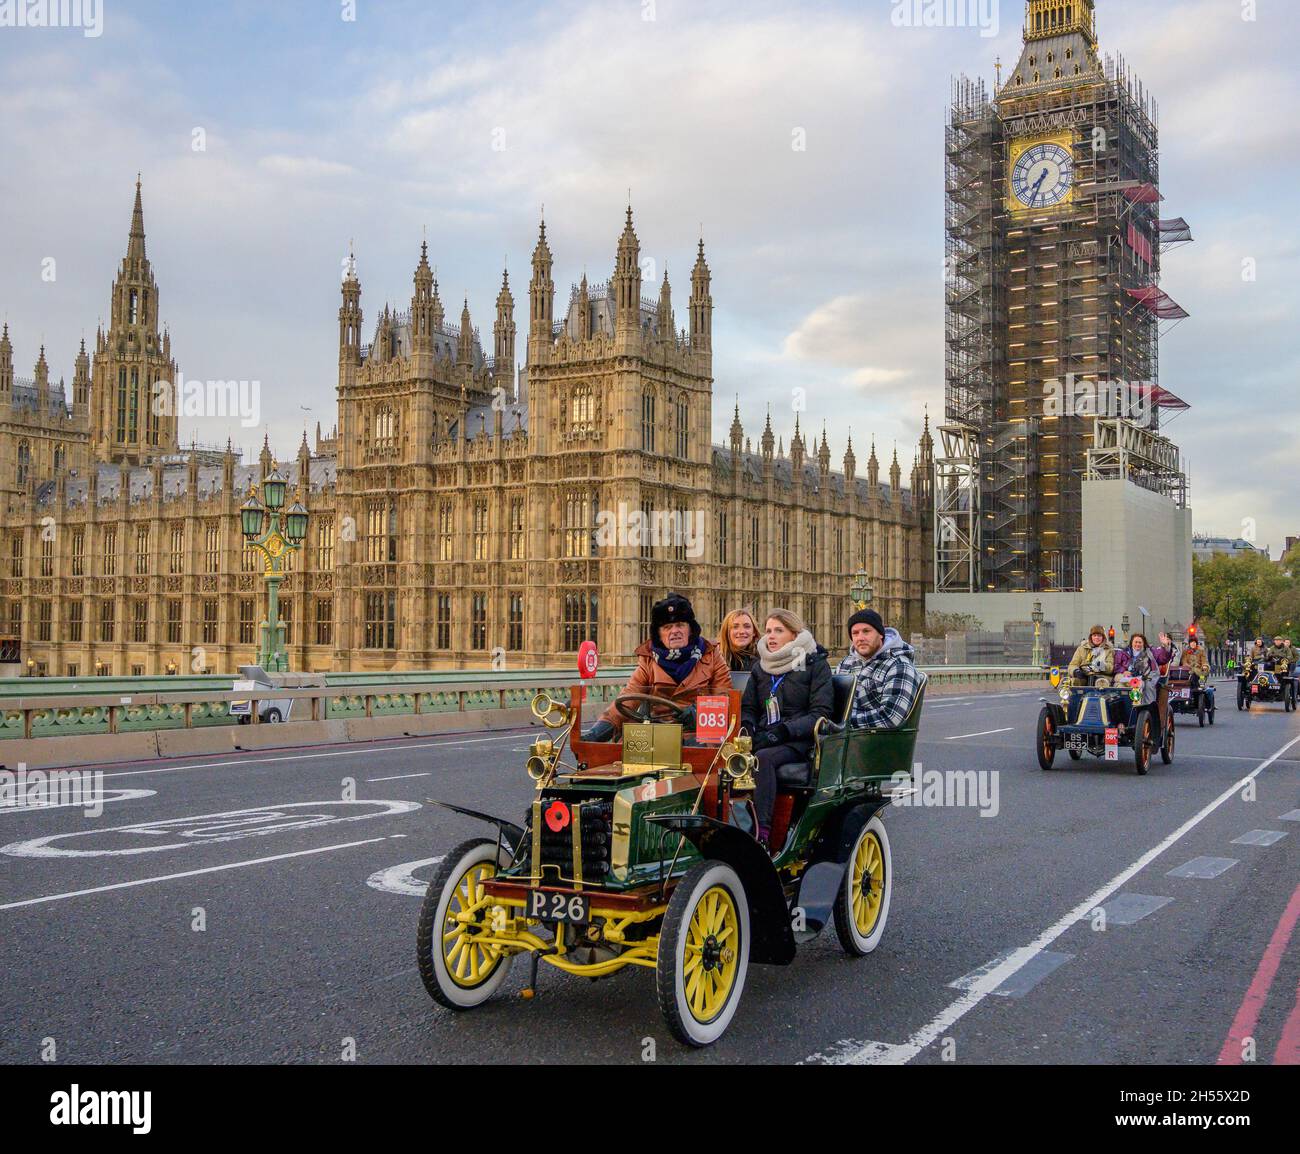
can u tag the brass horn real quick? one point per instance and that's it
(551, 713)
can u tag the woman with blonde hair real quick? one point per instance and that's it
(790, 688)
(738, 640)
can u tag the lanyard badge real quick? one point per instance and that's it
(773, 705)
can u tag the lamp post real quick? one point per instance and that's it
(1037, 618)
(275, 533)
(861, 591)
(1123, 624)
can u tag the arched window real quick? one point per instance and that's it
(24, 463)
(648, 421)
(683, 427)
(583, 410)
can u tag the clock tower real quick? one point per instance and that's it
(1053, 307)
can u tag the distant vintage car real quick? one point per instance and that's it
(1264, 682)
(1102, 720)
(1184, 697)
(642, 853)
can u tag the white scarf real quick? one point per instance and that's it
(791, 656)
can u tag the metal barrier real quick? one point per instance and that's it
(82, 708)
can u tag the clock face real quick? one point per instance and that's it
(1042, 175)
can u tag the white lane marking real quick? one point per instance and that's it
(206, 828)
(982, 733)
(399, 777)
(187, 874)
(107, 796)
(401, 879)
(935, 1029)
(351, 751)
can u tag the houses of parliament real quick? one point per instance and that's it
(454, 511)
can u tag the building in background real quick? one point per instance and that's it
(462, 514)
(1055, 481)
(1205, 546)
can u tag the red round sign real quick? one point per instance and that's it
(588, 660)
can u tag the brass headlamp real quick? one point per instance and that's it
(739, 762)
(542, 758)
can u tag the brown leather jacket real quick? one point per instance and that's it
(1196, 661)
(710, 675)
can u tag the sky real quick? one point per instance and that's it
(803, 141)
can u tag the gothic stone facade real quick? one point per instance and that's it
(464, 514)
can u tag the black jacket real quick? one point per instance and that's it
(804, 696)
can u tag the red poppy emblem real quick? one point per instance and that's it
(557, 816)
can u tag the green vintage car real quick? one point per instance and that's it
(642, 853)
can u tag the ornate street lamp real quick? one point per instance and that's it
(861, 591)
(171, 669)
(1037, 618)
(1123, 624)
(260, 521)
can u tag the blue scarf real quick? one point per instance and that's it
(678, 663)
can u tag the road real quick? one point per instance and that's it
(207, 933)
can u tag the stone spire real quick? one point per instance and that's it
(850, 461)
(665, 309)
(737, 433)
(350, 315)
(42, 372)
(541, 289)
(465, 346)
(627, 280)
(584, 310)
(873, 468)
(797, 450)
(81, 382)
(824, 454)
(422, 304)
(701, 304)
(503, 332)
(768, 440)
(6, 364)
(135, 253)
(895, 476)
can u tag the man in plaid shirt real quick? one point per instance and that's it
(888, 681)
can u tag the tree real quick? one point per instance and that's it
(941, 624)
(1283, 616)
(1234, 591)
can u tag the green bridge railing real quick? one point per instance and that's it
(83, 707)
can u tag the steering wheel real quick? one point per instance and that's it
(640, 706)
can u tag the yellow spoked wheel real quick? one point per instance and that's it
(710, 966)
(458, 970)
(862, 907)
(703, 953)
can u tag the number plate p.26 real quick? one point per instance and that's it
(549, 906)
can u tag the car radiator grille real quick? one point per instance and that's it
(577, 851)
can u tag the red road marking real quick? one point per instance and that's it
(1243, 1025)
(1288, 1049)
